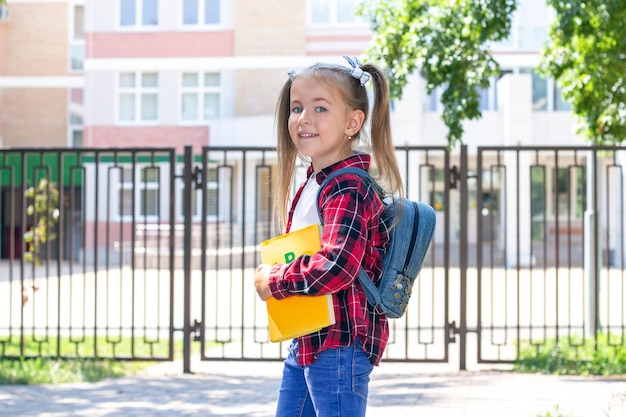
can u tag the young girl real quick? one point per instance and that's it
(321, 115)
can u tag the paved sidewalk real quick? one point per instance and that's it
(249, 389)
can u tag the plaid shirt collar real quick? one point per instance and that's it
(357, 160)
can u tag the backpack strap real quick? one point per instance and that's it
(348, 170)
(371, 291)
(369, 288)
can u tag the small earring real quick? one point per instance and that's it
(349, 137)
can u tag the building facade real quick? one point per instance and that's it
(41, 73)
(157, 73)
(144, 72)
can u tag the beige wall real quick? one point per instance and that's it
(257, 91)
(35, 44)
(36, 39)
(34, 117)
(271, 27)
(3, 26)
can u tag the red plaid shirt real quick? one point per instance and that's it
(353, 235)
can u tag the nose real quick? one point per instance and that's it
(303, 118)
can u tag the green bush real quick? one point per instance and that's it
(574, 356)
(57, 371)
(78, 365)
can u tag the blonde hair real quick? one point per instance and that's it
(355, 96)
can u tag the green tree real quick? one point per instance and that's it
(43, 207)
(587, 57)
(447, 41)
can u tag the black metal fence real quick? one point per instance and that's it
(135, 254)
(75, 278)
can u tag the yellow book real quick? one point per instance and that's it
(298, 315)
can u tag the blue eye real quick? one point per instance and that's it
(296, 110)
(320, 109)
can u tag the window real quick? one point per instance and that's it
(434, 100)
(77, 38)
(570, 191)
(334, 12)
(126, 192)
(540, 89)
(212, 193)
(483, 99)
(138, 97)
(149, 192)
(487, 97)
(200, 97)
(532, 20)
(146, 197)
(75, 117)
(566, 185)
(139, 12)
(201, 12)
(559, 102)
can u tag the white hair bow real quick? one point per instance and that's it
(357, 72)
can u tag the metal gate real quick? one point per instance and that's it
(232, 322)
(517, 258)
(154, 253)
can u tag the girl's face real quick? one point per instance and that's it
(320, 122)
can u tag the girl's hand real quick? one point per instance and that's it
(261, 279)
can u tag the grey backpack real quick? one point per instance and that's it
(410, 238)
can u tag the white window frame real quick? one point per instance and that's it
(75, 44)
(137, 91)
(333, 15)
(199, 90)
(552, 89)
(122, 186)
(77, 110)
(201, 14)
(138, 24)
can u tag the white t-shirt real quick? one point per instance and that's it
(306, 212)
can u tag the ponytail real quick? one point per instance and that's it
(383, 149)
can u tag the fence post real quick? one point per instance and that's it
(187, 216)
(591, 248)
(463, 261)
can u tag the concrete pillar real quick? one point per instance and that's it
(515, 100)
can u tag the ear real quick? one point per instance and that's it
(355, 122)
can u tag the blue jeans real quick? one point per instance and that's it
(335, 385)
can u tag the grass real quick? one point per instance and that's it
(570, 356)
(59, 371)
(86, 346)
(574, 356)
(77, 364)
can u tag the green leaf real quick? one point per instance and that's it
(447, 42)
(587, 57)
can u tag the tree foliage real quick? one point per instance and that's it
(43, 208)
(587, 57)
(447, 41)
